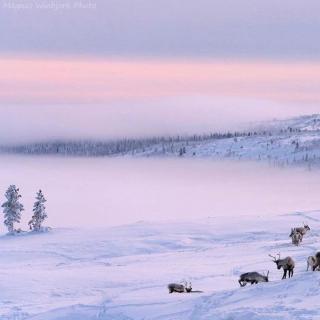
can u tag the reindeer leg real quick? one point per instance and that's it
(284, 274)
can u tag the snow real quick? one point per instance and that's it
(198, 220)
(291, 142)
(122, 272)
(304, 123)
(279, 149)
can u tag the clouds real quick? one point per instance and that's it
(165, 116)
(109, 68)
(100, 99)
(105, 81)
(166, 28)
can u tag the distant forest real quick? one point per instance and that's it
(115, 147)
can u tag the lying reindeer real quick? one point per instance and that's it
(176, 287)
(253, 278)
(296, 237)
(287, 264)
(302, 230)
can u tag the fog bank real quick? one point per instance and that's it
(103, 192)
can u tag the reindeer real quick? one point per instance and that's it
(296, 237)
(302, 230)
(287, 264)
(188, 287)
(180, 288)
(311, 262)
(317, 262)
(253, 278)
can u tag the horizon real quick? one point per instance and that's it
(175, 143)
(246, 128)
(131, 68)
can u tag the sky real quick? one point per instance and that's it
(114, 68)
(198, 28)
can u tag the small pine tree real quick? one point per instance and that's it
(39, 212)
(12, 208)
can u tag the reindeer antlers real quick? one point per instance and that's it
(274, 257)
(184, 282)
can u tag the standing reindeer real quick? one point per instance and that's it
(317, 261)
(311, 262)
(302, 230)
(287, 264)
(253, 278)
(296, 237)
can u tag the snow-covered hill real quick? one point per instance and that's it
(303, 123)
(282, 143)
(122, 272)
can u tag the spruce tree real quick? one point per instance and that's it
(12, 208)
(39, 212)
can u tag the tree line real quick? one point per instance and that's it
(119, 146)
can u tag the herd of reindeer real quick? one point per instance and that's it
(287, 264)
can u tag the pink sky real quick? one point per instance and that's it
(102, 98)
(141, 67)
(95, 81)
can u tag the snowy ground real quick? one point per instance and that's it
(291, 142)
(122, 272)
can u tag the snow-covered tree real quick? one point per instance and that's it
(39, 212)
(12, 208)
